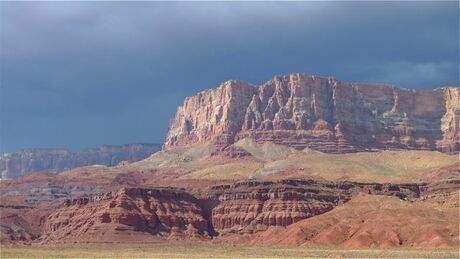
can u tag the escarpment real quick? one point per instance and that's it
(248, 207)
(143, 214)
(134, 212)
(325, 114)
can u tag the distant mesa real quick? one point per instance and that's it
(305, 111)
(28, 161)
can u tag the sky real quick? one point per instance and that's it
(83, 74)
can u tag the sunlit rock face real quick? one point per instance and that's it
(136, 213)
(320, 113)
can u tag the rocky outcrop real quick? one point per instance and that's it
(325, 114)
(253, 206)
(369, 221)
(134, 213)
(15, 228)
(143, 214)
(25, 162)
(20, 224)
(212, 115)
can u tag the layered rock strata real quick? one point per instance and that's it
(246, 207)
(325, 114)
(249, 207)
(140, 213)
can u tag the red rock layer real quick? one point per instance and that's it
(372, 222)
(140, 214)
(131, 213)
(320, 113)
(249, 207)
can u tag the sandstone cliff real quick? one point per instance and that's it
(29, 161)
(325, 114)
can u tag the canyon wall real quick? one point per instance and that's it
(27, 161)
(320, 113)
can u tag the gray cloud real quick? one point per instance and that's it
(78, 74)
(413, 73)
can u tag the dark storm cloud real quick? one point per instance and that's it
(79, 74)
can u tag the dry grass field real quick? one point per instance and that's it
(202, 250)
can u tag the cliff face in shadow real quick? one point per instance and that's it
(25, 162)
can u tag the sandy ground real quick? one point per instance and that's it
(213, 250)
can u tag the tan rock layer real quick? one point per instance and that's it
(321, 113)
